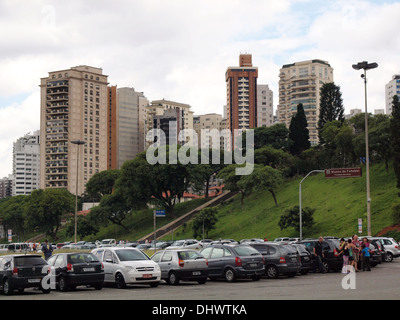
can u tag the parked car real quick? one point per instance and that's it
(77, 269)
(280, 259)
(377, 252)
(107, 243)
(187, 244)
(231, 261)
(182, 264)
(391, 247)
(332, 261)
(18, 272)
(305, 257)
(18, 247)
(124, 266)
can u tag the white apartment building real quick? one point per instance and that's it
(300, 82)
(392, 88)
(265, 112)
(26, 164)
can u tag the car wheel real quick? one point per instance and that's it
(7, 288)
(389, 257)
(272, 272)
(229, 275)
(62, 284)
(326, 266)
(173, 279)
(120, 281)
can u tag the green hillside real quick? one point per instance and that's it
(338, 204)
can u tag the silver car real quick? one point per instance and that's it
(186, 244)
(391, 247)
(124, 266)
(182, 264)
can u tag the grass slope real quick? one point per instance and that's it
(338, 203)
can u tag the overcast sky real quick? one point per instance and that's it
(180, 49)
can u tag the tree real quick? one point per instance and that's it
(113, 207)
(298, 132)
(84, 228)
(330, 106)
(205, 221)
(12, 213)
(276, 136)
(46, 208)
(395, 137)
(291, 218)
(102, 183)
(162, 184)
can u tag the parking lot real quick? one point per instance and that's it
(382, 282)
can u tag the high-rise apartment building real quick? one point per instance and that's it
(392, 88)
(241, 90)
(26, 164)
(163, 114)
(6, 186)
(265, 109)
(300, 82)
(73, 107)
(126, 125)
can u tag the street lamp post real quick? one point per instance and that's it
(78, 143)
(366, 66)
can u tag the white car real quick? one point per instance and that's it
(391, 247)
(124, 266)
(186, 244)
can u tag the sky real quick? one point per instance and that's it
(180, 49)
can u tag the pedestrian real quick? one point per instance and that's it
(366, 257)
(47, 250)
(319, 255)
(356, 250)
(345, 252)
(350, 246)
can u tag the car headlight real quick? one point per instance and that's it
(129, 268)
(157, 267)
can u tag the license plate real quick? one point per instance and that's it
(33, 280)
(196, 273)
(146, 276)
(253, 265)
(88, 269)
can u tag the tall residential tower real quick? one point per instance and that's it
(73, 107)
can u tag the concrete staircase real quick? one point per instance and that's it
(170, 227)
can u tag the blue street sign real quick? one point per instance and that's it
(159, 213)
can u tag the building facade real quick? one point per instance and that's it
(6, 186)
(26, 164)
(126, 125)
(74, 106)
(300, 82)
(265, 109)
(392, 88)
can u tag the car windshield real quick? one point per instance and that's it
(246, 251)
(189, 255)
(131, 255)
(82, 257)
(28, 261)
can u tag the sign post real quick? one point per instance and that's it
(159, 214)
(359, 226)
(9, 235)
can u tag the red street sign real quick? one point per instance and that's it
(343, 173)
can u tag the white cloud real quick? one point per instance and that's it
(180, 49)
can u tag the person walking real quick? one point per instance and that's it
(350, 246)
(47, 249)
(319, 255)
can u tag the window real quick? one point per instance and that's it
(217, 253)
(59, 261)
(206, 252)
(156, 257)
(167, 256)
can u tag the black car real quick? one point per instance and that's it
(22, 271)
(280, 259)
(305, 257)
(77, 269)
(231, 261)
(333, 260)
